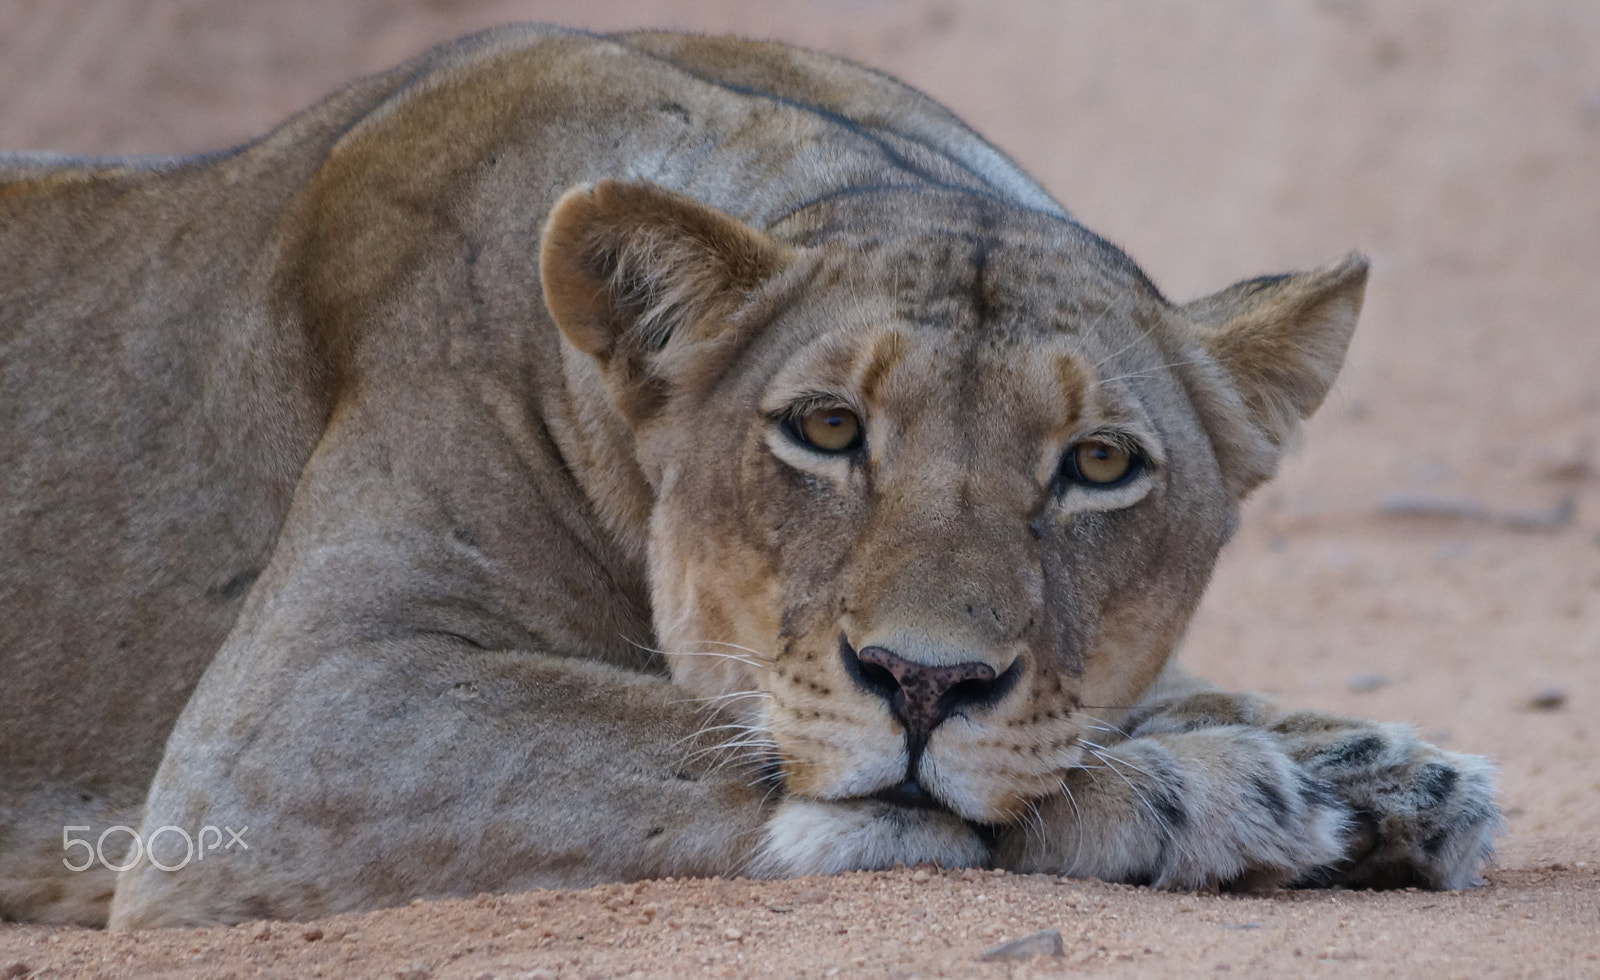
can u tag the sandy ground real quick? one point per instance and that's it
(1433, 555)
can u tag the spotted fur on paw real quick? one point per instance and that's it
(1425, 817)
(1218, 807)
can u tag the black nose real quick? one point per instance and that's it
(920, 695)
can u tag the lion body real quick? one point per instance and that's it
(322, 521)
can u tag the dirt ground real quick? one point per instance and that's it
(1432, 555)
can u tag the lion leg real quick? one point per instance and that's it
(390, 774)
(375, 721)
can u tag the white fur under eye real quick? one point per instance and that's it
(1074, 498)
(834, 467)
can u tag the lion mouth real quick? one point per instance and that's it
(909, 794)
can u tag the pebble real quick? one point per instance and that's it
(921, 876)
(1046, 942)
(311, 935)
(261, 930)
(1548, 699)
(1364, 682)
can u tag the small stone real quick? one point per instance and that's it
(811, 896)
(732, 935)
(1046, 942)
(1548, 699)
(14, 969)
(261, 930)
(415, 970)
(1364, 682)
(921, 876)
(311, 935)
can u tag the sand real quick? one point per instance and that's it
(1432, 555)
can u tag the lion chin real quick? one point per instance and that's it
(807, 837)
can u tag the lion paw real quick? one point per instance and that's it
(1425, 817)
(1218, 808)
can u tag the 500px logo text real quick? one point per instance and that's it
(208, 839)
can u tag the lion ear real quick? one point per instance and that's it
(650, 282)
(1280, 341)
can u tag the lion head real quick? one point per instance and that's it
(935, 482)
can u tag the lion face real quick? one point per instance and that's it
(934, 497)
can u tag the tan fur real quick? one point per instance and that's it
(413, 487)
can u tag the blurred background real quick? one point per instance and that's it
(1434, 553)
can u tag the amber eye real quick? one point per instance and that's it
(1097, 463)
(829, 430)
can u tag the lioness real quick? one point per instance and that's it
(566, 459)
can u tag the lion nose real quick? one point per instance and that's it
(921, 695)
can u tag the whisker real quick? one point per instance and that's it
(713, 653)
(775, 777)
(1149, 372)
(1111, 758)
(1033, 824)
(1077, 812)
(730, 696)
(737, 751)
(757, 654)
(726, 726)
(1107, 359)
(1161, 823)
(747, 757)
(734, 726)
(738, 741)
(755, 658)
(1100, 724)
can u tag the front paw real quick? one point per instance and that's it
(806, 837)
(1426, 818)
(1216, 808)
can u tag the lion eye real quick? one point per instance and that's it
(1097, 463)
(829, 430)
